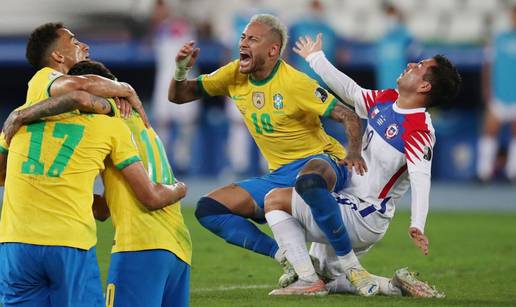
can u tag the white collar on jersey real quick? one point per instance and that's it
(406, 111)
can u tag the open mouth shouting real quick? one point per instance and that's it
(245, 60)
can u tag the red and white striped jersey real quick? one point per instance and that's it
(397, 147)
(397, 142)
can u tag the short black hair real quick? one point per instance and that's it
(40, 41)
(445, 80)
(91, 67)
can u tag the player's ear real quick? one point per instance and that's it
(274, 50)
(425, 87)
(57, 56)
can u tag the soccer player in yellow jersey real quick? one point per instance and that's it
(169, 248)
(47, 229)
(48, 250)
(281, 107)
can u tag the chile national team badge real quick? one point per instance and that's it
(277, 101)
(258, 99)
(391, 131)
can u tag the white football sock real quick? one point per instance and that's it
(510, 167)
(290, 236)
(487, 148)
(341, 285)
(349, 261)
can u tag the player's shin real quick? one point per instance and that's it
(313, 190)
(290, 237)
(232, 228)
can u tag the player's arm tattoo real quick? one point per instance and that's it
(353, 126)
(76, 100)
(180, 92)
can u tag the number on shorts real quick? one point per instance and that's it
(110, 295)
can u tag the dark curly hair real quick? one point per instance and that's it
(40, 41)
(91, 67)
(445, 80)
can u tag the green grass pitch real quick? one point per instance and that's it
(472, 259)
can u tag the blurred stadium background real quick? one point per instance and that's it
(206, 141)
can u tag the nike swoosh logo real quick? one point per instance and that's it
(336, 231)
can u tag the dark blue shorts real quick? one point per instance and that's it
(285, 177)
(151, 278)
(41, 275)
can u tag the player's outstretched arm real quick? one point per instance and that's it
(99, 86)
(75, 100)
(180, 89)
(100, 208)
(345, 87)
(153, 196)
(353, 128)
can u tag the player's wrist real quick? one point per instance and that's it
(182, 68)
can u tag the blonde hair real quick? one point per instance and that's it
(275, 24)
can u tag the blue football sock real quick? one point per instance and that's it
(326, 212)
(233, 228)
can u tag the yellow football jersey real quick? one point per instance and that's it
(39, 85)
(281, 112)
(50, 173)
(137, 228)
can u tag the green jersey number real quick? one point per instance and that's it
(72, 135)
(167, 177)
(265, 124)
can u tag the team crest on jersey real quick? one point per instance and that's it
(391, 131)
(428, 153)
(258, 99)
(374, 112)
(321, 94)
(278, 101)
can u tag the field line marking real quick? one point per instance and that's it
(231, 288)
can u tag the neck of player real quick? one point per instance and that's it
(265, 71)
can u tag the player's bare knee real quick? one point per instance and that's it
(322, 168)
(278, 199)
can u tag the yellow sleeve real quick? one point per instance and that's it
(124, 152)
(4, 148)
(314, 98)
(216, 83)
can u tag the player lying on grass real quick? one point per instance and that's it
(397, 147)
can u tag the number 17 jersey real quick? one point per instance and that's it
(50, 173)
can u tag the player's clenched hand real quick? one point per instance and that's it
(305, 45)
(12, 125)
(186, 56)
(419, 239)
(355, 161)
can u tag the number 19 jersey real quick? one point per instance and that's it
(50, 173)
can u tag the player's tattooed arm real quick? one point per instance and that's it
(353, 126)
(76, 100)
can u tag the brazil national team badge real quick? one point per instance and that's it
(278, 101)
(391, 131)
(321, 94)
(258, 99)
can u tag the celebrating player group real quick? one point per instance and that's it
(79, 121)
